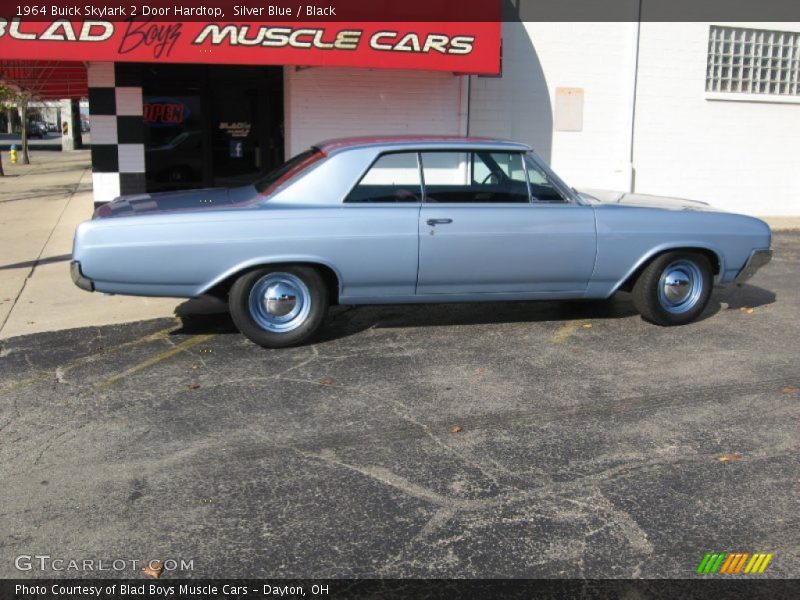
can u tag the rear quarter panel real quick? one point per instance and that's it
(372, 250)
(627, 237)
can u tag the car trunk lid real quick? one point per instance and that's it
(179, 201)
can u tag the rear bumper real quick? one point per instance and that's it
(758, 258)
(78, 278)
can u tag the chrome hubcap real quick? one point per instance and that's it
(281, 299)
(280, 302)
(680, 286)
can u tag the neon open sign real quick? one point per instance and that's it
(165, 112)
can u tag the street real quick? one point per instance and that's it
(484, 440)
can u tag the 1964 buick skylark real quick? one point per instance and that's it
(399, 220)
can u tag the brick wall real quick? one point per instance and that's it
(322, 103)
(537, 59)
(740, 156)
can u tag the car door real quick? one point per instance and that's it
(481, 231)
(377, 245)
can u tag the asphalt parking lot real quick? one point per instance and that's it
(484, 440)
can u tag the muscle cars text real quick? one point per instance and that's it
(325, 39)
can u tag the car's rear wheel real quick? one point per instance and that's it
(281, 306)
(674, 289)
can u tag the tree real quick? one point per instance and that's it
(13, 95)
(25, 81)
(23, 115)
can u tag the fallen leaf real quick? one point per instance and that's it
(587, 325)
(154, 569)
(193, 386)
(326, 381)
(790, 389)
(726, 458)
(455, 428)
(747, 310)
(479, 371)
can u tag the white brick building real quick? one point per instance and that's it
(619, 106)
(737, 151)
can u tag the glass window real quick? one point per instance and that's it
(391, 178)
(542, 189)
(474, 177)
(173, 141)
(753, 61)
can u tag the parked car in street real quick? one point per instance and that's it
(412, 220)
(37, 129)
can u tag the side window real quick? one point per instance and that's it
(542, 190)
(474, 177)
(391, 178)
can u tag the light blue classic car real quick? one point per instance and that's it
(402, 219)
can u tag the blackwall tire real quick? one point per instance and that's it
(674, 289)
(279, 306)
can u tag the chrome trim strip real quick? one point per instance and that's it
(758, 258)
(78, 278)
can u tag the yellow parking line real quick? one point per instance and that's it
(72, 364)
(185, 345)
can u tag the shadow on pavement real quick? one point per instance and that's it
(33, 263)
(210, 315)
(743, 295)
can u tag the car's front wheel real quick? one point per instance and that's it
(674, 289)
(279, 306)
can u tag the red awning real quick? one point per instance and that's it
(45, 80)
(461, 47)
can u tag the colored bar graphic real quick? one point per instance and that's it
(727, 564)
(730, 563)
(757, 564)
(718, 564)
(764, 564)
(741, 562)
(703, 563)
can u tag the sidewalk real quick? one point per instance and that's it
(40, 205)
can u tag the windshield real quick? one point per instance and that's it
(535, 163)
(287, 170)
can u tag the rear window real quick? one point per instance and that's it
(392, 178)
(293, 166)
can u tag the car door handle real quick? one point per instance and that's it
(433, 222)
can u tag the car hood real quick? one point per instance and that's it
(643, 200)
(209, 199)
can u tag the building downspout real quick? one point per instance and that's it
(464, 105)
(633, 90)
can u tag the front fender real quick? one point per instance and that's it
(615, 266)
(666, 247)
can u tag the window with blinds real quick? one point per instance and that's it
(753, 61)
